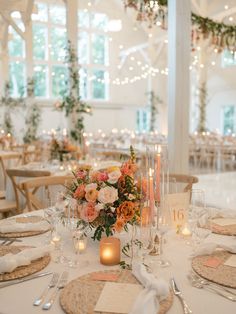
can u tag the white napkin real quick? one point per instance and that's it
(10, 261)
(209, 248)
(212, 213)
(11, 225)
(147, 301)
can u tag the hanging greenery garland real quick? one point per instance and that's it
(71, 103)
(220, 34)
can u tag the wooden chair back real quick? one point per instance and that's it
(5, 158)
(186, 181)
(15, 174)
(30, 186)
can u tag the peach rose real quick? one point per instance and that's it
(128, 168)
(119, 224)
(79, 192)
(99, 176)
(91, 195)
(91, 186)
(81, 174)
(88, 212)
(126, 210)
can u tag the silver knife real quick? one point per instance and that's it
(24, 279)
(178, 293)
(52, 284)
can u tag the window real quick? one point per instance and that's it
(17, 71)
(143, 120)
(49, 42)
(228, 58)
(229, 120)
(93, 55)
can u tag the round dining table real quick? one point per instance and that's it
(19, 298)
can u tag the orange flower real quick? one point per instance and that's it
(129, 168)
(119, 224)
(91, 195)
(79, 192)
(126, 210)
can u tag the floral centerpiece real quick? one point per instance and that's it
(107, 200)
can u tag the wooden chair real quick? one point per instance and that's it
(16, 174)
(186, 181)
(4, 159)
(30, 186)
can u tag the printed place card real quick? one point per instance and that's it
(178, 204)
(231, 261)
(224, 221)
(117, 297)
(212, 262)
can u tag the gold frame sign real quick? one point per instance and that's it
(178, 205)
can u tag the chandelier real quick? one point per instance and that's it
(150, 11)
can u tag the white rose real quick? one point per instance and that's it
(91, 186)
(107, 195)
(99, 206)
(114, 176)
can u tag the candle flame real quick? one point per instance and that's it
(159, 149)
(150, 172)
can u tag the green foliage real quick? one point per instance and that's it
(9, 104)
(33, 115)
(154, 101)
(72, 104)
(202, 108)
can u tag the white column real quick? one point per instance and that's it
(29, 49)
(72, 21)
(179, 31)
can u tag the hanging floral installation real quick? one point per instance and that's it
(155, 12)
(9, 105)
(72, 104)
(33, 114)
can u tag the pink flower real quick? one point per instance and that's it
(81, 174)
(79, 192)
(128, 168)
(99, 176)
(88, 212)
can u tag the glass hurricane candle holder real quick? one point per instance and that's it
(110, 251)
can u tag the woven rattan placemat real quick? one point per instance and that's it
(29, 219)
(81, 295)
(22, 271)
(223, 274)
(224, 230)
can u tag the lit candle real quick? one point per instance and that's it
(158, 173)
(80, 245)
(186, 232)
(151, 192)
(110, 251)
(56, 239)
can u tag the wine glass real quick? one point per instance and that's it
(164, 224)
(145, 232)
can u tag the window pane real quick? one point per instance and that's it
(57, 14)
(16, 46)
(39, 42)
(40, 77)
(83, 19)
(83, 83)
(99, 87)
(99, 49)
(59, 78)
(58, 43)
(229, 114)
(83, 47)
(99, 21)
(17, 78)
(228, 58)
(42, 14)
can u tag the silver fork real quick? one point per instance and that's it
(7, 242)
(178, 293)
(61, 285)
(197, 284)
(207, 282)
(51, 284)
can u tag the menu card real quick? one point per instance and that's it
(231, 261)
(117, 297)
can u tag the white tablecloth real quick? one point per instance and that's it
(19, 298)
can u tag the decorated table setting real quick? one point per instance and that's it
(112, 244)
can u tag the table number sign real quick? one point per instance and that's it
(178, 204)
